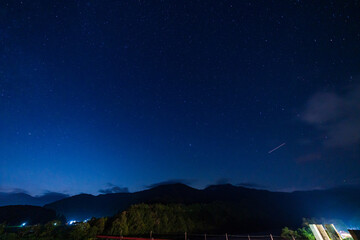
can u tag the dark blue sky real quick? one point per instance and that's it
(100, 94)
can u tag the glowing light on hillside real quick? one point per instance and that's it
(71, 222)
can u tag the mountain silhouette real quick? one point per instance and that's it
(23, 214)
(26, 199)
(262, 206)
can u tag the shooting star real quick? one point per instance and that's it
(277, 147)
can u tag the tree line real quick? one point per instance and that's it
(142, 219)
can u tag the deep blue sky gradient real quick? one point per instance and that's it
(129, 93)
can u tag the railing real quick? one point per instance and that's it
(126, 238)
(187, 236)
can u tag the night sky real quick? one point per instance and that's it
(109, 96)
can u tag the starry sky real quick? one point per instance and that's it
(111, 96)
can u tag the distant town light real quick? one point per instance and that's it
(71, 222)
(23, 224)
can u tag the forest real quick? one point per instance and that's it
(160, 220)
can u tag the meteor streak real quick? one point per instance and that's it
(277, 147)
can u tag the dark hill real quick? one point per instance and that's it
(26, 199)
(16, 215)
(279, 208)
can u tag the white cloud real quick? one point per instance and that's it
(337, 115)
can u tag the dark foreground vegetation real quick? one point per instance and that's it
(18, 214)
(142, 219)
(272, 210)
(177, 208)
(226, 208)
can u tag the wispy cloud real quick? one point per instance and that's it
(337, 115)
(251, 185)
(53, 194)
(223, 181)
(111, 188)
(17, 190)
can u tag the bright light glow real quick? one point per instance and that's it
(23, 224)
(55, 224)
(86, 220)
(71, 222)
(344, 234)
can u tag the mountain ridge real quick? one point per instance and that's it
(21, 198)
(287, 208)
